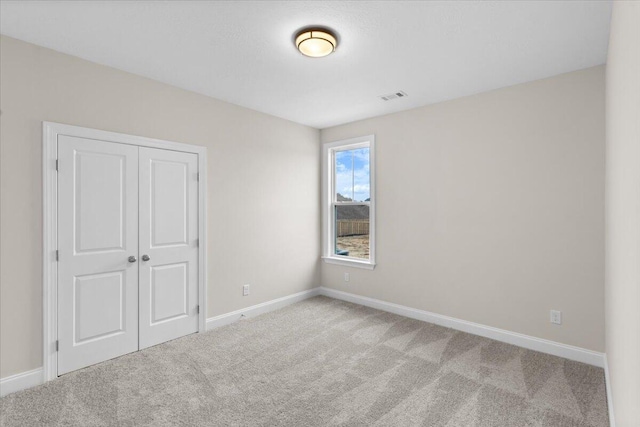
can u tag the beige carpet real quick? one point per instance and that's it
(322, 362)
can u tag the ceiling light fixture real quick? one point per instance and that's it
(316, 42)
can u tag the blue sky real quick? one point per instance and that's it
(352, 174)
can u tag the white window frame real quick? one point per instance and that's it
(328, 199)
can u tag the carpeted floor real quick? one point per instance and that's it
(322, 362)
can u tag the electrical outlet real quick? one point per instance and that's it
(245, 290)
(346, 277)
(556, 317)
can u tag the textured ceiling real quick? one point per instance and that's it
(242, 52)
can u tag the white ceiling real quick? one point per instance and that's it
(243, 53)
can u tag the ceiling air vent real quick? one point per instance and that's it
(393, 96)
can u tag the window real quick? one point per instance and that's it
(348, 202)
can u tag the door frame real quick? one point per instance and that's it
(50, 132)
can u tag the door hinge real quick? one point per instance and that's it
(57, 345)
(198, 177)
(56, 165)
(57, 255)
(197, 242)
(198, 309)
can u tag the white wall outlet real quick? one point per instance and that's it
(556, 317)
(245, 290)
(346, 277)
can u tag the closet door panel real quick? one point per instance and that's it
(97, 233)
(168, 245)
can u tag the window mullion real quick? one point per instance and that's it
(353, 177)
(352, 203)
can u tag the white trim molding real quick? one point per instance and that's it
(255, 310)
(21, 381)
(607, 380)
(351, 262)
(50, 132)
(532, 343)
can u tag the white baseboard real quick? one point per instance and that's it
(265, 307)
(607, 380)
(532, 343)
(35, 377)
(21, 381)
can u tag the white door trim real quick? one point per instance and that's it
(50, 132)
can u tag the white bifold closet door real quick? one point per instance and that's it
(128, 249)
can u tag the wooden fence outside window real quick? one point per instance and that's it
(352, 227)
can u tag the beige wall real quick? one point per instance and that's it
(623, 212)
(263, 175)
(490, 208)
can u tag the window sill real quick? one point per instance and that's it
(368, 265)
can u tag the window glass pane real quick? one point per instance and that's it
(361, 175)
(352, 231)
(344, 176)
(352, 175)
